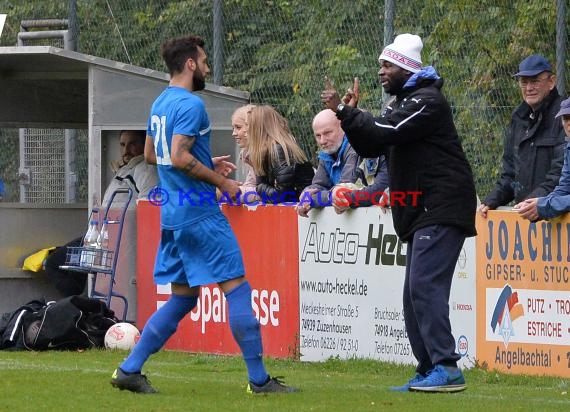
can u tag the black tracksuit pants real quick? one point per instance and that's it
(431, 258)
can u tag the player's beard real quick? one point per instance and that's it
(198, 80)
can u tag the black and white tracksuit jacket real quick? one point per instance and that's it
(425, 155)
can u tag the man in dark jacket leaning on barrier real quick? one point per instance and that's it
(425, 155)
(534, 146)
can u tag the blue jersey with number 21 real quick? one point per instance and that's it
(177, 111)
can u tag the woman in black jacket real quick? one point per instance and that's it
(281, 167)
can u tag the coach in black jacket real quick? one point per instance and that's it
(426, 159)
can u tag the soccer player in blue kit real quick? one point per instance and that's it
(197, 245)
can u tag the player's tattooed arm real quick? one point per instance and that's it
(188, 163)
(184, 160)
(190, 166)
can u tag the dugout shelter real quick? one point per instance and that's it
(45, 88)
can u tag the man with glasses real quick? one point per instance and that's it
(534, 145)
(558, 201)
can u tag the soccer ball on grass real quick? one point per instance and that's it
(122, 336)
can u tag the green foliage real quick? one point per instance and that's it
(280, 51)
(27, 10)
(478, 68)
(305, 42)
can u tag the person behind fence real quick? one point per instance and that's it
(534, 144)
(132, 172)
(337, 162)
(427, 165)
(556, 202)
(281, 167)
(239, 132)
(197, 245)
(370, 186)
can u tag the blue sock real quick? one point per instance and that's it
(159, 327)
(247, 334)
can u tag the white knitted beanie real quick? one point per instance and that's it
(405, 52)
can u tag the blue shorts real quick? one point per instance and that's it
(202, 253)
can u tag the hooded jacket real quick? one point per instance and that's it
(533, 154)
(427, 166)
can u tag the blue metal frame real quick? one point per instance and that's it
(74, 253)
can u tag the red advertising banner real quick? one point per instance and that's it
(269, 242)
(523, 299)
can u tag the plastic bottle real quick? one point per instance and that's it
(90, 244)
(83, 260)
(103, 244)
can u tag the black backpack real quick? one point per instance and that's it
(72, 323)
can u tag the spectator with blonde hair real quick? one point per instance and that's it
(239, 133)
(281, 167)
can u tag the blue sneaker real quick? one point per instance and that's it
(406, 386)
(441, 379)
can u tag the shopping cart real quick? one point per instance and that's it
(101, 263)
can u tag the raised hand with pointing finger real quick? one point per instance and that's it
(332, 100)
(352, 94)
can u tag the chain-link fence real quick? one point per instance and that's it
(280, 51)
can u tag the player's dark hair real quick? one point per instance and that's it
(175, 52)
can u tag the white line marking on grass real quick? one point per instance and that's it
(14, 365)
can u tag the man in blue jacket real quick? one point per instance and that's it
(337, 163)
(425, 156)
(556, 202)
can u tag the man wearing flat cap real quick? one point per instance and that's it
(558, 201)
(534, 144)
